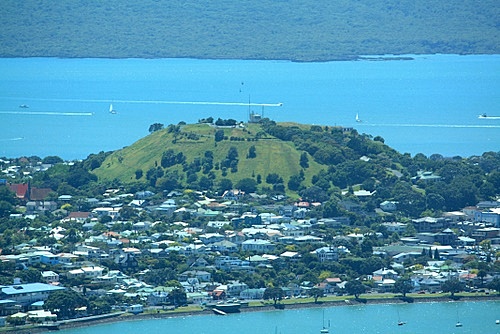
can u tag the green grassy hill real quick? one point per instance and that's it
(272, 155)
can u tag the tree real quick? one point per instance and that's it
(274, 293)
(252, 152)
(355, 287)
(5, 208)
(52, 160)
(495, 285)
(248, 185)
(155, 127)
(65, 302)
(452, 286)
(273, 178)
(316, 293)
(225, 184)
(304, 160)
(177, 297)
(403, 285)
(294, 182)
(436, 254)
(219, 135)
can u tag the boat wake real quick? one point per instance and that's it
(215, 103)
(47, 113)
(472, 126)
(12, 139)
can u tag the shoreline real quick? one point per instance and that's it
(119, 316)
(339, 58)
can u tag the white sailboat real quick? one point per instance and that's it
(325, 329)
(400, 322)
(111, 110)
(357, 118)
(458, 324)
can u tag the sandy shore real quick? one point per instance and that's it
(123, 316)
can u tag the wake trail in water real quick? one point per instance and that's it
(47, 113)
(215, 103)
(411, 125)
(11, 139)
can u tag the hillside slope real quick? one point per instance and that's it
(271, 155)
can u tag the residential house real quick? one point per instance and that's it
(210, 238)
(224, 246)
(233, 195)
(27, 294)
(40, 206)
(491, 216)
(50, 277)
(202, 276)
(327, 254)
(246, 219)
(486, 233)
(429, 224)
(86, 272)
(79, 217)
(445, 237)
(252, 293)
(113, 212)
(395, 227)
(233, 289)
(388, 206)
(126, 260)
(257, 245)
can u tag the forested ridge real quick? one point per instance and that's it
(267, 29)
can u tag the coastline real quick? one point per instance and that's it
(123, 316)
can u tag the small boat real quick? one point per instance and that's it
(458, 324)
(497, 322)
(218, 312)
(225, 308)
(24, 106)
(357, 118)
(485, 116)
(400, 323)
(111, 110)
(325, 329)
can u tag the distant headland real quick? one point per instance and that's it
(267, 29)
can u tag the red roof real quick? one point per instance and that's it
(21, 189)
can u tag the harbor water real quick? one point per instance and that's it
(431, 104)
(424, 318)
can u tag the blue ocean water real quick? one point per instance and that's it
(427, 105)
(424, 318)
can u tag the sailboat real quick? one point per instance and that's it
(357, 118)
(458, 324)
(111, 110)
(325, 329)
(400, 323)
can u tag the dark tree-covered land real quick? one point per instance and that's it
(266, 29)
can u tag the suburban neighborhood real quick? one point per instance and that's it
(204, 248)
